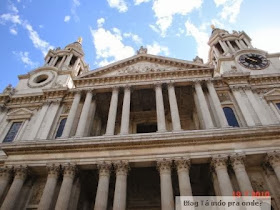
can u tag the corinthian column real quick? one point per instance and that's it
(11, 198)
(206, 116)
(112, 112)
(125, 110)
(103, 186)
(160, 109)
(71, 115)
(273, 158)
(84, 115)
(220, 166)
(183, 166)
(5, 176)
(69, 172)
(237, 162)
(46, 199)
(217, 105)
(166, 190)
(174, 108)
(121, 183)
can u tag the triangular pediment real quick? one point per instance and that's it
(274, 92)
(21, 113)
(144, 64)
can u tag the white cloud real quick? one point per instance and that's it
(201, 37)
(156, 49)
(100, 22)
(9, 17)
(24, 57)
(165, 10)
(38, 43)
(109, 46)
(13, 31)
(137, 2)
(134, 37)
(118, 4)
(230, 9)
(75, 5)
(67, 18)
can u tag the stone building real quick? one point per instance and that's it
(140, 131)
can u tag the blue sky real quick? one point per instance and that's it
(115, 29)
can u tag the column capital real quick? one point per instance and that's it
(164, 165)
(69, 170)
(104, 168)
(127, 87)
(53, 170)
(237, 160)
(6, 172)
(219, 162)
(170, 83)
(273, 158)
(183, 164)
(157, 85)
(21, 172)
(115, 88)
(121, 167)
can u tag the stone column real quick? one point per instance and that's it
(84, 115)
(55, 60)
(273, 158)
(174, 107)
(71, 115)
(67, 61)
(46, 199)
(216, 51)
(166, 190)
(238, 44)
(223, 45)
(5, 177)
(206, 116)
(110, 129)
(69, 172)
(220, 166)
(61, 62)
(243, 44)
(259, 109)
(248, 42)
(121, 168)
(41, 114)
(11, 198)
(160, 108)
(237, 162)
(76, 63)
(230, 46)
(101, 199)
(125, 111)
(217, 105)
(240, 101)
(183, 167)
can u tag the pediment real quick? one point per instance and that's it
(273, 94)
(21, 113)
(144, 64)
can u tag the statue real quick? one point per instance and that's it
(9, 89)
(80, 40)
(142, 50)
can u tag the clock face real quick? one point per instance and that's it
(253, 61)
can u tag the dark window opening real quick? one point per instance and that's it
(73, 60)
(219, 48)
(234, 45)
(232, 121)
(278, 105)
(41, 78)
(58, 61)
(147, 128)
(12, 132)
(50, 60)
(79, 72)
(60, 128)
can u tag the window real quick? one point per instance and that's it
(12, 132)
(60, 128)
(232, 121)
(146, 128)
(278, 105)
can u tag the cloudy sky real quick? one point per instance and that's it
(114, 29)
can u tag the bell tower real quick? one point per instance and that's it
(71, 58)
(225, 44)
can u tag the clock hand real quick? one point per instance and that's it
(251, 59)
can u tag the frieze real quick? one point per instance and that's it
(224, 97)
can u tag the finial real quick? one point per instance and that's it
(80, 40)
(213, 26)
(142, 50)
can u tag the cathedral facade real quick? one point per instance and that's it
(140, 131)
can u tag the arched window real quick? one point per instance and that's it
(278, 105)
(60, 128)
(12, 132)
(232, 121)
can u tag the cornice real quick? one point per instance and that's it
(213, 136)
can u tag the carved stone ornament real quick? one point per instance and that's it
(53, 170)
(224, 96)
(121, 167)
(273, 158)
(142, 50)
(198, 60)
(164, 165)
(69, 170)
(6, 172)
(219, 162)
(21, 172)
(9, 90)
(258, 185)
(104, 168)
(237, 161)
(183, 164)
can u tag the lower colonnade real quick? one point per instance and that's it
(12, 179)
